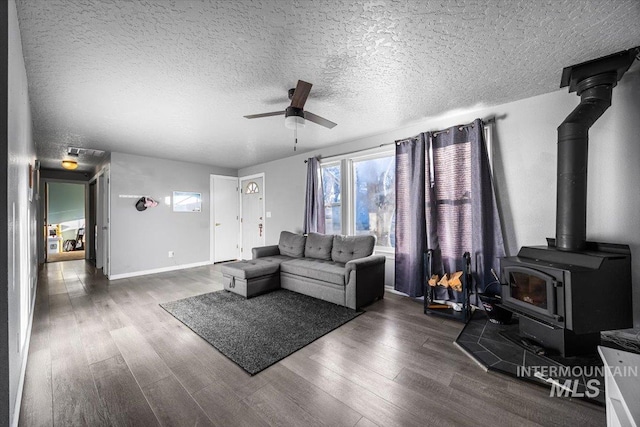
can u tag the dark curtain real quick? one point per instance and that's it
(462, 213)
(410, 216)
(487, 241)
(314, 200)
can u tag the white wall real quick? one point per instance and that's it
(141, 241)
(525, 139)
(21, 214)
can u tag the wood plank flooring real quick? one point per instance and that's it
(105, 353)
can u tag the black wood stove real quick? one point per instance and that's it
(565, 299)
(569, 291)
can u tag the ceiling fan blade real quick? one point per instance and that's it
(300, 94)
(257, 116)
(319, 120)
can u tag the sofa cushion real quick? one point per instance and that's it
(292, 244)
(324, 270)
(318, 246)
(347, 248)
(253, 268)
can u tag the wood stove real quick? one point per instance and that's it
(566, 298)
(570, 290)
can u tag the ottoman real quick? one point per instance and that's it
(252, 277)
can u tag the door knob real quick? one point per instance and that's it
(218, 224)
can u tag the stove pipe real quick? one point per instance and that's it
(593, 81)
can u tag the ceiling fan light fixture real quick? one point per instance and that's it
(293, 122)
(70, 164)
(293, 118)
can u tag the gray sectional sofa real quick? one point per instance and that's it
(338, 269)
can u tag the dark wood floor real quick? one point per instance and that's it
(105, 353)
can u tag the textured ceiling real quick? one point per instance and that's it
(173, 79)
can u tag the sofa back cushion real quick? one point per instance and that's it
(291, 244)
(347, 248)
(318, 246)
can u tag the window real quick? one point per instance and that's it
(331, 186)
(374, 198)
(359, 196)
(252, 188)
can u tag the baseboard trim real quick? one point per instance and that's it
(158, 270)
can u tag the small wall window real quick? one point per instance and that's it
(252, 188)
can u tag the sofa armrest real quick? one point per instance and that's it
(365, 281)
(366, 262)
(264, 251)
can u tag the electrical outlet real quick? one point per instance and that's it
(171, 254)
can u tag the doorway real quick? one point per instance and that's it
(65, 221)
(252, 207)
(225, 216)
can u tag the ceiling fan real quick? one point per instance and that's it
(294, 114)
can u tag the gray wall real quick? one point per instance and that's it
(21, 266)
(66, 202)
(524, 154)
(140, 241)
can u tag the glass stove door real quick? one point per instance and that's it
(528, 288)
(531, 290)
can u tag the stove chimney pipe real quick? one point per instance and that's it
(593, 81)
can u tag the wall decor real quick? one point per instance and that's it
(145, 202)
(30, 189)
(36, 179)
(187, 201)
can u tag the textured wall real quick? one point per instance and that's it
(22, 213)
(525, 139)
(140, 241)
(175, 77)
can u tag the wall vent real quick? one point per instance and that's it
(77, 151)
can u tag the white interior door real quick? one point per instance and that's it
(106, 223)
(102, 223)
(252, 205)
(98, 234)
(224, 190)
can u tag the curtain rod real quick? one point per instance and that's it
(488, 120)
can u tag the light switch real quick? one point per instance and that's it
(268, 214)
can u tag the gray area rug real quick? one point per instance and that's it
(256, 333)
